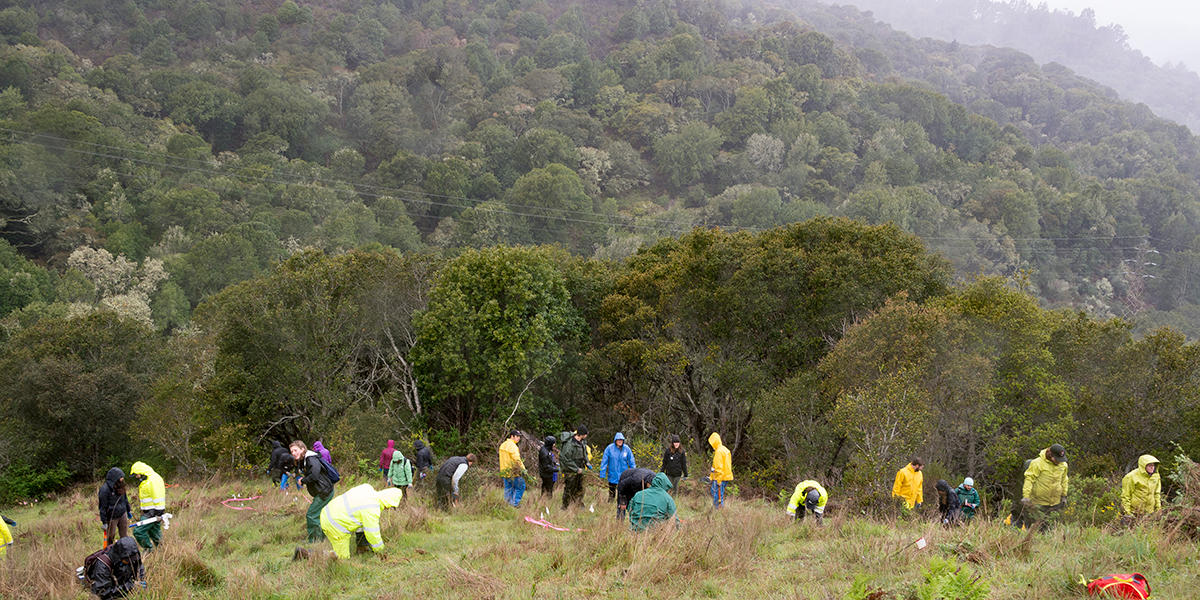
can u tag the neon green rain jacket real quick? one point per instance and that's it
(1045, 482)
(1141, 492)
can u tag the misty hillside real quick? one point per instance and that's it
(1100, 53)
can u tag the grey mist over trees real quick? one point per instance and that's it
(1070, 33)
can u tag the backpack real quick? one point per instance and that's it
(99, 555)
(330, 472)
(564, 436)
(1132, 586)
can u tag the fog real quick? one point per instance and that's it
(1163, 30)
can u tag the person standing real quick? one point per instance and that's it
(548, 466)
(572, 459)
(512, 469)
(910, 483)
(969, 497)
(318, 484)
(152, 498)
(809, 496)
(448, 477)
(354, 516)
(1141, 489)
(674, 462)
(616, 459)
(385, 459)
(423, 459)
(652, 505)
(1045, 487)
(114, 506)
(400, 472)
(721, 472)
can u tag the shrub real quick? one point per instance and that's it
(21, 481)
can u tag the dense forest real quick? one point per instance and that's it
(1075, 40)
(232, 221)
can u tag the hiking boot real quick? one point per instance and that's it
(300, 554)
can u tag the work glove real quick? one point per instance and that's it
(1026, 501)
(11, 523)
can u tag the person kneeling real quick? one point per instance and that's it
(652, 505)
(808, 497)
(117, 570)
(357, 511)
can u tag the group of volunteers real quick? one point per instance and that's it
(1043, 492)
(642, 495)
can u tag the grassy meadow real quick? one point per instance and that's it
(485, 549)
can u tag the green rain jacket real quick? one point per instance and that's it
(1141, 492)
(652, 504)
(400, 471)
(966, 496)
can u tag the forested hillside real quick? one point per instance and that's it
(237, 176)
(1075, 40)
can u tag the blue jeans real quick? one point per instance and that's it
(717, 488)
(514, 489)
(283, 482)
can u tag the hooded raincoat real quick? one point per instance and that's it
(400, 473)
(1045, 482)
(909, 486)
(320, 448)
(547, 460)
(511, 464)
(722, 464)
(948, 502)
(122, 573)
(358, 510)
(385, 457)
(652, 505)
(801, 492)
(152, 491)
(616, 459)
(424, 459)
(969, 499)
(6, 538)
(113, 504)
(1141, 492)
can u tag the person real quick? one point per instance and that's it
(631, 482)
(512, 469)
(6, 536)
(674, 461)
(114, 506)
(548, 466)
(809, 496)
(949, 504)
(1141, 489)
(1045, 487)
(355, 516)
(152, 500)
(316, 481)
(969, 496)
(572, 461)
(721, 472)
(652, 505)
(118, 571)
(400, 471)
(423, 460)
(615, 460)
(448, 477)
(319, 448)
(909, 484)
(282, 464)
(385, 459)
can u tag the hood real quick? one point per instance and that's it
(318, 446)
(141, 468)
(619, 436)
(391, 444)
(123, 548)
(308, 453)
(417, 445)
(942, 486)
(389, 498)
(661, 481)
(114, 475)
(275, 445)
(549, 441)
(714, 440)
(1144, 460)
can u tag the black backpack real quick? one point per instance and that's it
(90, 561)
(330, 472)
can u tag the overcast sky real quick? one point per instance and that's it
(1164, 30)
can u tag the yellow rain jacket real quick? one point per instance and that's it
(6, 538)
(1045, 482)
(722, 465)
(798, 496)
(357, 510)
(909, 485)
(1141, 492)
(152, 492)
(510, 459)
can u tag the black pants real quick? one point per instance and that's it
(1033, 515)
(444, 492)
(548, 487)
(572, 489)
(612, 491)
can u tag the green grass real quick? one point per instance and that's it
(487, 550)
